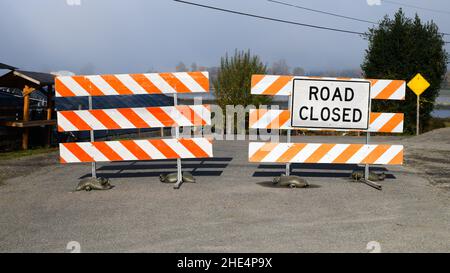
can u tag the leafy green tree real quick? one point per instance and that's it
(233, 82)
(399, 48)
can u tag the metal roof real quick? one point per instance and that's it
(20, 79)
(5, 66)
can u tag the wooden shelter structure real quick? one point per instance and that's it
(29, 82)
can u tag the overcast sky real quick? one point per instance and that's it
(133, 36)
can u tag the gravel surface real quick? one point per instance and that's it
(232, 208)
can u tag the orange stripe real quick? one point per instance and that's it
(280, 120)
(78, 152)
(117, 85)
(398, 159)
(160, 115)
(201, 79)
(73, 118)
(137, 151)
(262, 152)
(88, 86)
(191, 115)
(132, 117)
(373, 82)
(107, 151)
(374, 116)
(196, 150)
(277, 85)
(319, 153)
(60, 129)
(389, 90)
(291, 152)
(62, 89)
(392, 123)
(348, 153)
(61, 160)
(165, 149)
(256, 115)
(175, 83)
(375, 154)
(256, 79)
(101, 116)
(145, 83)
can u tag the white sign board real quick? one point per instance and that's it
(330, 104)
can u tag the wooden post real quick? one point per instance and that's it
(49, 113)
(26, 115)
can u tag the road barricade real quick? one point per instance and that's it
(134, 118)
(336, 153)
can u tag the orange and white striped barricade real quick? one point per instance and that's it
(134, 118)
(324, 153)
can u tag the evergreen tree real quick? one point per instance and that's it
(399, 48)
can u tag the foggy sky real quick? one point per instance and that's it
(133, 36)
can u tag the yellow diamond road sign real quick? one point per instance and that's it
(418, 84)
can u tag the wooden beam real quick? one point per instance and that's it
(26, 114)
(49, 113)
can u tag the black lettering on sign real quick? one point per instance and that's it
(324, 95)
(300, 112)
(346, 114)
(336, 114)
(313, 91)
(325, 114)
(354, 115)
(349, 94)
(312, 114)
(337, 94)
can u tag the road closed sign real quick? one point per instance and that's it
(330, 104)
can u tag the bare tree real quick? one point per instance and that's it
(181, 67)
(280, 67)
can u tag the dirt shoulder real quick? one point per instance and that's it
(429, 154)
(12, 166)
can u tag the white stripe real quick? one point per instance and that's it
(276, 152)
(399, 94)
(378, 87)
(102, 85)
(160, 83)
(265, 119)
(150, 149)
(204, 144)
(120, 119)
(203, 112)
(73, 86)
(190, 83)
(306, 152)
(253, 147)
(399, 128)
(91, 150)
(131, 84)
(121, 150)
(65, 154)
(65, 124)
(179, 148)
(333, 153)
(390, 153)
(176, 115)
(145, 115)
(263, 84)
(380, 121)
(361, 154)
(206, 74)
(90, 119)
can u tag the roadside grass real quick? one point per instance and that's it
(25, 153)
